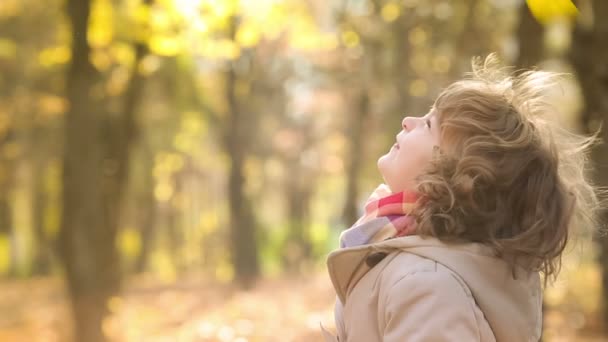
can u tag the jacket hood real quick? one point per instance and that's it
(511, 304)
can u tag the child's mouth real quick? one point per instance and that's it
(396, 146)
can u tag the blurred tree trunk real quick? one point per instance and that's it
(132, 99)
(358, 119)
(7, 169)
(120, 131)
(146, 211)
(298, 198)
(531, 51)
(42, 153)
(530, 38)
(95, 171)
(589, 56)
(174, 222)
(42, 254)
(6, 223)
(87, 235)
(298, 191)
(244, 247)
(355, 157)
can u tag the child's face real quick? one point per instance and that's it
(411, 153)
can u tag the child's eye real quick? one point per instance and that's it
(428, 123)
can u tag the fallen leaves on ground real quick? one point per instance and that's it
(288, 308)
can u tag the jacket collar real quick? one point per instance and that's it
(346, 266)
(490, 279)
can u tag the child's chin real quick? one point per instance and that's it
(382, 163)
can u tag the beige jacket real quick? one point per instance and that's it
(426, 290)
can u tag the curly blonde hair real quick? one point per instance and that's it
(505, 174)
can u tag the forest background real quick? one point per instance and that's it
(178, 170)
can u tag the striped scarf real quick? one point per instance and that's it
(386, 216)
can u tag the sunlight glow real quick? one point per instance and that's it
(188, 8)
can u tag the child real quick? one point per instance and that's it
(480, 196)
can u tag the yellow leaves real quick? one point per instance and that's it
(197, 309)
(5, 254)
(221, 49)
(171, 161)
(118, 81)
(224, 272)
(300, 28)
(418, 88)
(188, 138)
(49, 107)
(207, 31)
(141, 13)
(52, 210)
(419, 61)
(162, 39)
(209, 221)
(313, 41)
(160, 262)
(115, 304)
(128, 242)
(163, 191)
(221, 9)
(174, 27)
(100, 59)
(328, 42)
(441, 64)
(52, 219)
(53, 56)
(8, 48)
(390, 11)
(248, 35)
(226, 48)
(165, 45)
(141, 22)
(123, 53)
(165, 165)
(10, 8)
(350, 38)
(319, 233)
(157, 26)
(273, 168)
(182, 143)
(417, 36)
(274, 22)
(20, 201)
(101, 31)
(200, 27)
(187, 8)
(547, 10)
(160, 20)
(149, 65)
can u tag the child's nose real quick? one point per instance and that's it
(408, 123)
